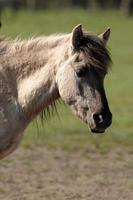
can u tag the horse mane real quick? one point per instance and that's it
(34, 43)
(93, 48)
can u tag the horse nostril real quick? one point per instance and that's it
(98, 118)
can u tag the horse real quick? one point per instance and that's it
(36, 72)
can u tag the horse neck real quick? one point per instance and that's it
(37, 87)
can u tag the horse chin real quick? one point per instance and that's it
(97, 131)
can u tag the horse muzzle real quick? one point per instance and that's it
(100, 122)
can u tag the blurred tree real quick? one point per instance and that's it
(31, 4)
(92, 4)
(125, 7)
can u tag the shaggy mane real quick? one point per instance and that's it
(34, 43)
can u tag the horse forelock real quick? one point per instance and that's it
(96, 53)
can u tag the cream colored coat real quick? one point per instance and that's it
(30, 81)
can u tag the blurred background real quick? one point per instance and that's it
(126, 6)
(26, 18)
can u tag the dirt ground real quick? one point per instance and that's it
(40, 173)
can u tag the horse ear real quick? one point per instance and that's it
(105, 36)
(77, 37)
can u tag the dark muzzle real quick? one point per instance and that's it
(100, 121)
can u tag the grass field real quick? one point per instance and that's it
(66, 130)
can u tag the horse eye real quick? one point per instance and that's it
(80, 72)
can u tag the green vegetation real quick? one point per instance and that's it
(67, 131)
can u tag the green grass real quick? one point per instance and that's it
(67, 131)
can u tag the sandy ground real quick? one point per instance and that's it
(39, 173)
